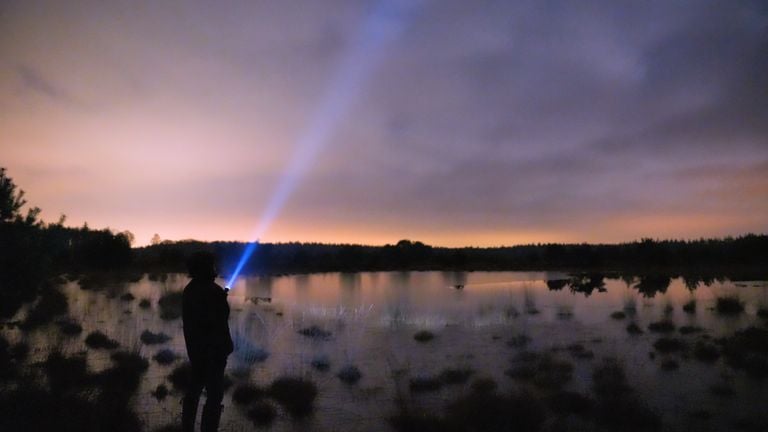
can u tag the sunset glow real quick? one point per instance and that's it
(507, 123)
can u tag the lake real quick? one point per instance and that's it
(486, 324)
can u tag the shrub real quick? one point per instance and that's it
(729, 305)
(98, 340)
(296, 395)
(150, 338)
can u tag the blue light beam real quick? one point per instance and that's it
(382, 26)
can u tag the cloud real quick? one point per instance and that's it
(541, 116)
(34, 82)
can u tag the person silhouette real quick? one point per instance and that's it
(205, 315)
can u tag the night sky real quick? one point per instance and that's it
(479, 122)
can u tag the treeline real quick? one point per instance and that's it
(33, 252)
(741, 257)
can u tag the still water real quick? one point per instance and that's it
(372, 318)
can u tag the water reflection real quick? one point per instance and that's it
(370, 320)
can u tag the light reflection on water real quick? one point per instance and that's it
(373, 317)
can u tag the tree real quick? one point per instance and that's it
(129, 236)
(155, 239)
(10, 200)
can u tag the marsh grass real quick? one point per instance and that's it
(542, 370)
(262, 413)
(98, 340)
(423, 336)
(181, 377)
(663, 326)
(165, 357)
(160, 392)
(706, 352)
(321, 363)
(690, 306)
(73, 398)
(668, 345)
(349, 374)
(519, 341)
(244, 394)
(315, 332)
(569, 402)
(747, 350)
(619, 315)
(297, 395)
(455, 376)
(578, 351)
(50, 304)
(170, 305)
(69, 327)
(729, 305)
(149, 338)
(618, 408)
(634, 329)
(686, 330)
(425, 383)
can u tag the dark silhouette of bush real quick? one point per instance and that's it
(321, 363)
(50, 304)
(455, 376)
(568, 402)
(668, 345)
(649, 285)
(315, 332)
(349, 374)
(663, 326)
(99, 340)
(748, 350)
(181, 377)
(69, 327)
(425, 383)
(423, 336)
(76, 398)
(587, 283)
(296, 395)
(246, 393)
(170, 306)
(149, 338)
(690, 306)
(618, 408)
(490, 411)
(542, 370)
(557, 284)
(729, 305)
(706, 352)
(66, 373)
(262, 413)
(411, 421)
(691, 329)
(34, 252)
(634, 329)
(165, 357)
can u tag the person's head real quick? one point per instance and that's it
(202, 265)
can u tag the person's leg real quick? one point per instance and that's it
(191, 400)
(214, 387)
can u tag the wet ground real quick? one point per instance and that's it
(421, 340)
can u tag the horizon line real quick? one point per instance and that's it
(636, 240)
